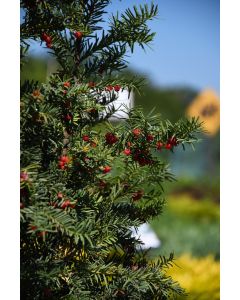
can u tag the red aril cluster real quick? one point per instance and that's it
(67, 84)
(78, 35)
(142, 156)
(36, 93)
(117, 88)
(149, 138)
(68, 117)
(127, 152)
(171, 142)
(93, 144)
(47, 39)
(159, 145)
(136, 132)
(86, 138)
(111, 138)
(109, 88)
(24, 176)
(168, 146)
(60, 195)
(64, 160)
(65, 204)
(106, 169)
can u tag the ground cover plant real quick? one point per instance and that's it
(191, 273)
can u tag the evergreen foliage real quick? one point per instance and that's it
(83, 188)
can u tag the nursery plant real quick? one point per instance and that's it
(86, 181)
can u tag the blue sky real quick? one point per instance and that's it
(185, 51)
(186, 47)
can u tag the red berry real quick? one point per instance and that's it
(168, 146)
(91, 84)
(109, 88)
(117, 88)
(64, 159)
(36, 93)
(68, 117)
(49, 45)
(173, 141)
(46, 38)
(67, 84)
(127, 151)
(43, 36)
(22, 205)
(149, 138)
(60, 195)
(33, 227)
(78, 35)
(61, 164)
(136, 131)
(86, 138)
(110, 138)
(142, 157)
(106, 169)
(23, 176)
(129, 144)
(137, 195)
(65, 204)
(159, 145)
(42, 233)
(93, 144)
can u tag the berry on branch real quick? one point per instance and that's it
(78, 35)
(106, 169)
(111, 138)
(136, 132)
(86, 138)
(127, 152)
(117, 88)
(67, 84)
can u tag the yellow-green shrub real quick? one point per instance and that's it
(199, 210)
(199, 276)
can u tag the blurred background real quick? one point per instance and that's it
(182, 70)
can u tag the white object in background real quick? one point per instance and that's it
(123, 102)
(147, 236)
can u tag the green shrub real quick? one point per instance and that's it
(188, 225)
